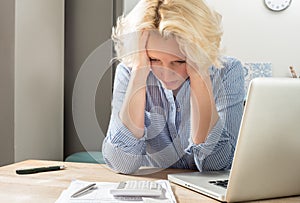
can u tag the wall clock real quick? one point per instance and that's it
(277, 5)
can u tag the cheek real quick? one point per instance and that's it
(158, 71)
(183, 73)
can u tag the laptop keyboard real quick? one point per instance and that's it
(222, 183)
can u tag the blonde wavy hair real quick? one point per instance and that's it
(195, 26)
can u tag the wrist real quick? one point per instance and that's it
(140, 75)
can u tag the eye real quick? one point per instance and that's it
(180, 61)
(153, 60)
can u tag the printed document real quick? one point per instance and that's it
(101, 194)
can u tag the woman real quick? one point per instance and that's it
(177, 102)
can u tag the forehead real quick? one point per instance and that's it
(156, 43)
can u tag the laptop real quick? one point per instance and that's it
(266, 162)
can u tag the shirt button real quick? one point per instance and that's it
(178, 109)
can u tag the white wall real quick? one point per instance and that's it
(129, 4)
(255, 34)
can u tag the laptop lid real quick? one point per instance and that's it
(266, 162)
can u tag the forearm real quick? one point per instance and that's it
(218, 149)
(121, 150)
(203, 109)
(133, 109)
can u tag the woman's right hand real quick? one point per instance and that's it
(141, 58)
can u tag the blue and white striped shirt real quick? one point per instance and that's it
(167, 141)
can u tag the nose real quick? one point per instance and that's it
(167, 73)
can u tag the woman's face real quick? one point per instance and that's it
(168, 64)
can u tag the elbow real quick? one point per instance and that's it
(119, 161)
(220, 160)
(121, 167)
(210, 164)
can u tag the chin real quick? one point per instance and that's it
(169, 88)
(172, 87)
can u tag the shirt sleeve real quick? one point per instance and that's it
(216, 153)
(122, 152)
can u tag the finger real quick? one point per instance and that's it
(133, 43)
(144, 36)
(143, 56)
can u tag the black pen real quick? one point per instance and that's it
(38, 170)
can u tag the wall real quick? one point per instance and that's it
(129, 4)
(31, 80)
(7, 24)
(88, 26)
(255, 34)
(39, 47)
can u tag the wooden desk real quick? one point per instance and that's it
(47, 186)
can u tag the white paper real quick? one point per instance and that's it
(101, 194)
